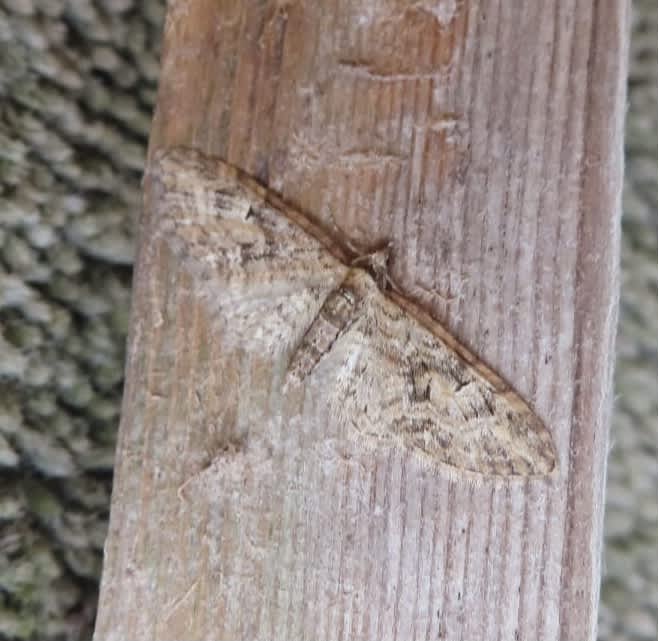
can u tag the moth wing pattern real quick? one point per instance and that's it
(262, 275)
(400, 384)
(393, 376)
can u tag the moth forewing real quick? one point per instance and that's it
(279, 285)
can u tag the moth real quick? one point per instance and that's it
(279, 284)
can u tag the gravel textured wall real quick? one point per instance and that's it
(78, 80)
(77, 87)
(629, 609)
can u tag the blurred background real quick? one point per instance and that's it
(78, 81)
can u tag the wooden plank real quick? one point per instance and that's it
(484, 141)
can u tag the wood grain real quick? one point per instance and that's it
(482, 139)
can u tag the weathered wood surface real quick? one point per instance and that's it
(484, 140)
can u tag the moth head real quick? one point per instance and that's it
(377, 263)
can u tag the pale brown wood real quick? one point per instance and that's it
(484, 140)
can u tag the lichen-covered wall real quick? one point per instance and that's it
(77, 87)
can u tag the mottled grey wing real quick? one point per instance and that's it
(262, 276)
(401, 384)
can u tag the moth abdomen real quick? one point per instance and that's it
(336, 315)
